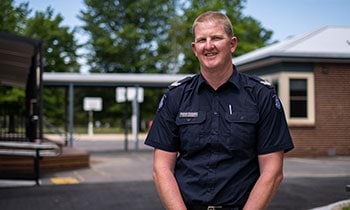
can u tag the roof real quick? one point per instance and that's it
(16, 56)
(325, 44)
(110, 79)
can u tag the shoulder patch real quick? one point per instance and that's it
(277, 102)
(261, 81)
(162, 101)
(180, 82)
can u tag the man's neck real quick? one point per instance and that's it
(217, 77)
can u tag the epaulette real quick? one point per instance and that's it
(180, 82)
(261, 81)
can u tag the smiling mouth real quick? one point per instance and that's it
(210, 54)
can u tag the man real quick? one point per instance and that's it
(219, 136)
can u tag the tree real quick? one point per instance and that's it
(13, 19)
(126, 36)
(60, 47)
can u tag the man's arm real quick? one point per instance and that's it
(271, 175)
(163, 175)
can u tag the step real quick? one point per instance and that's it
(70, 158)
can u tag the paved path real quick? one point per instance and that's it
(122, 180)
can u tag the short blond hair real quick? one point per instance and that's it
(213, 16)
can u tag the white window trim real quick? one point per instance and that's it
(283, 79)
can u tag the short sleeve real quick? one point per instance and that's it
(273, 132)
(164, 132)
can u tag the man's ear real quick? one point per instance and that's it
(233, 43)
(194, 50)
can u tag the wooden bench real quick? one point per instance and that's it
(37, 150)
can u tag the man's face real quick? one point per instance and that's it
(212, 46)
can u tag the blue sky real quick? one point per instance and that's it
(292, 17)
(284, 17)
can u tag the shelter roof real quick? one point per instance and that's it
(16, 57)
(110, 79)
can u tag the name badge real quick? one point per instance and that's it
(188, 114)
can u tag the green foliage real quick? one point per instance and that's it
(60, 47)
(126, 35)
(9, 94)
(13, 19)
(54, 110)
(59, 44)
(11, 99)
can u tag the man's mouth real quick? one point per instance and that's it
(209, 54)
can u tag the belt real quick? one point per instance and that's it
(199, 207)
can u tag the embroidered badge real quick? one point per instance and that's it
(188, 114)
(277, 103)
(161, 103)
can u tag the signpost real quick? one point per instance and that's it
(92, 104)
(134, 94)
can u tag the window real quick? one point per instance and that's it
(296, 91)
(298, 98)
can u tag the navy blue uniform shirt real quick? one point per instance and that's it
(218, 136)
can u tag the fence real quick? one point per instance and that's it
(12, 122)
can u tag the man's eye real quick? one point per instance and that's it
(200, 40)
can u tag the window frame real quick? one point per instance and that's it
(283, 80)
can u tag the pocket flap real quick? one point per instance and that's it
(242, 117)
(192, 118)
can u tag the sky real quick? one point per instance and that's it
(283, 17)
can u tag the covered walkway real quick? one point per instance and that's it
(72, 80)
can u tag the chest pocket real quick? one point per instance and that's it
(242, 129)
(190, 128)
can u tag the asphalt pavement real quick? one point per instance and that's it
(119, 179)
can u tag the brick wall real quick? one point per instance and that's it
(331, 133)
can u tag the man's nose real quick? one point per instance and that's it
(209, 44)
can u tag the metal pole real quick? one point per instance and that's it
(91, 124)
(66, 117)
(126, 122)
(37, 167)
(71, 114)
(41, 89)
(137, 118)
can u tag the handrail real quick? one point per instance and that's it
(36, 150)
(31, 145)
(46, 149)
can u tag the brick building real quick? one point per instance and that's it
(311, 74)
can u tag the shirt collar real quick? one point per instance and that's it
(234, 79)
